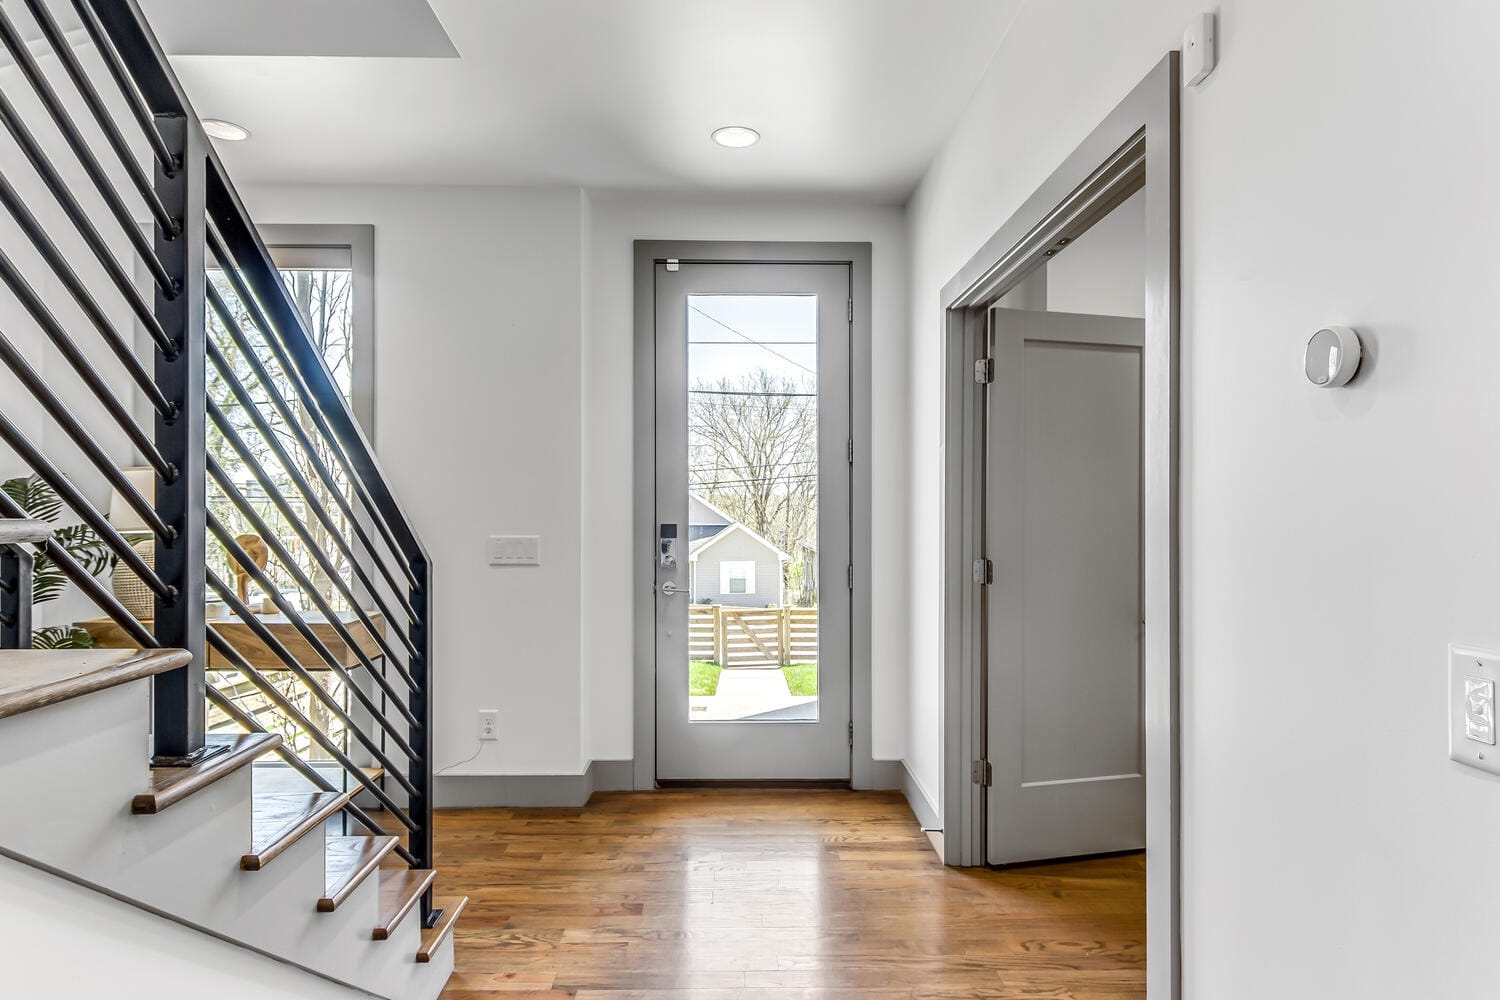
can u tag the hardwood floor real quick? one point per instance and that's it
(728, 894)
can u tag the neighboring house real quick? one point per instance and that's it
(729, 563)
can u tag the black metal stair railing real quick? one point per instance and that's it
(131, 260)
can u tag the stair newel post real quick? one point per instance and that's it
(420, 769)
(15, 597)
(179, 703)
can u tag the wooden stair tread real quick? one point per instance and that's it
(280, 820)
(23, 530)
(350, 861)
(170, 785)
(433, 937)
(35, 678)
(400, 890)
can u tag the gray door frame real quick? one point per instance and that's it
(1135, 147)
(648, 253)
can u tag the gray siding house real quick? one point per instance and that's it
(729, 563)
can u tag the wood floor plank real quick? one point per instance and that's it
(743, 894)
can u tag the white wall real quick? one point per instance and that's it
(1337, 168)
(62, 940)
(620, 218)
(504, 335)
(478, 326)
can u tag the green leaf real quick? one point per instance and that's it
(34, 496)
(61, 637)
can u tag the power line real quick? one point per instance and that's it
(750, 339)
(730, 392)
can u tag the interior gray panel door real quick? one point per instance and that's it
(1063, 616)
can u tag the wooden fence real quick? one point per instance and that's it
(742, 637)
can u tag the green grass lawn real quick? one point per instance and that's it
(703, 678)
(802, 678)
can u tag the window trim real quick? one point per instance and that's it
(298, 245)
(726, 576)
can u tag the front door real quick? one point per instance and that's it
(752, 521)
(1063, 526)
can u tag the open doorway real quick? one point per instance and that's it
(1060, 521)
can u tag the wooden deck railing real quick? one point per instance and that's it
(737, 637)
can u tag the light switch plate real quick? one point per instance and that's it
(515, 550)
(1473, 679)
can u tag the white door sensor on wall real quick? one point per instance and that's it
(1199, 50)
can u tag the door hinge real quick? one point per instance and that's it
(981, 773)
(984, 371)
(851, 734)
(851, 576)
(851, 310)
(851, 451)
(984, 572)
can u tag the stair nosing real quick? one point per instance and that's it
(452, 907)
(383, 931)
(330, 901)
(251, 746)
(123, 667)
(256, 860)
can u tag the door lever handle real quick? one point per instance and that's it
(670, 589)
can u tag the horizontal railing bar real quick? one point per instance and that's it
(302, 579)
(258, 320)
(245, 248)
(32, 456)
(86, 372)
(128, 89)
(144, 185)
(295, 619)
(80, 436)
(86, 581)
(275, 495)
(281, 406)
(85, 156)
(285, 706)
(279, 650)
(261, 528)
(252, 410)
(75, 212)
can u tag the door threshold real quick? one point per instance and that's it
(789, 783)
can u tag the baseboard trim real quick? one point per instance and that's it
(529, 791)
(927, 813)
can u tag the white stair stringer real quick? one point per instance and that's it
(68, 773)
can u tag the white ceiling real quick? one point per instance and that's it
(852, 96)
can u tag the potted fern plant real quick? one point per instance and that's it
(40, 501)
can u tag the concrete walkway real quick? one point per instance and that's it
(753, 692)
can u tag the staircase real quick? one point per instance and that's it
(197, 845)
(166, 375)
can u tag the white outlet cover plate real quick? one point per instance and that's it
(1466, 666)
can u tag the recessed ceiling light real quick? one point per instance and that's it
(218, 128)
(736, 136)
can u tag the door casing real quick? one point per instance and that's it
(1135, 148)
(648, 253)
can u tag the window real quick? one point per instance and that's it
(736, 577)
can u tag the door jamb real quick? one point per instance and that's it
(648, 253)
(1135, 147)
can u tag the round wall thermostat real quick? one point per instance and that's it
(1333, 356)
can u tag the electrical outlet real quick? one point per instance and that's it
(489, 724)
